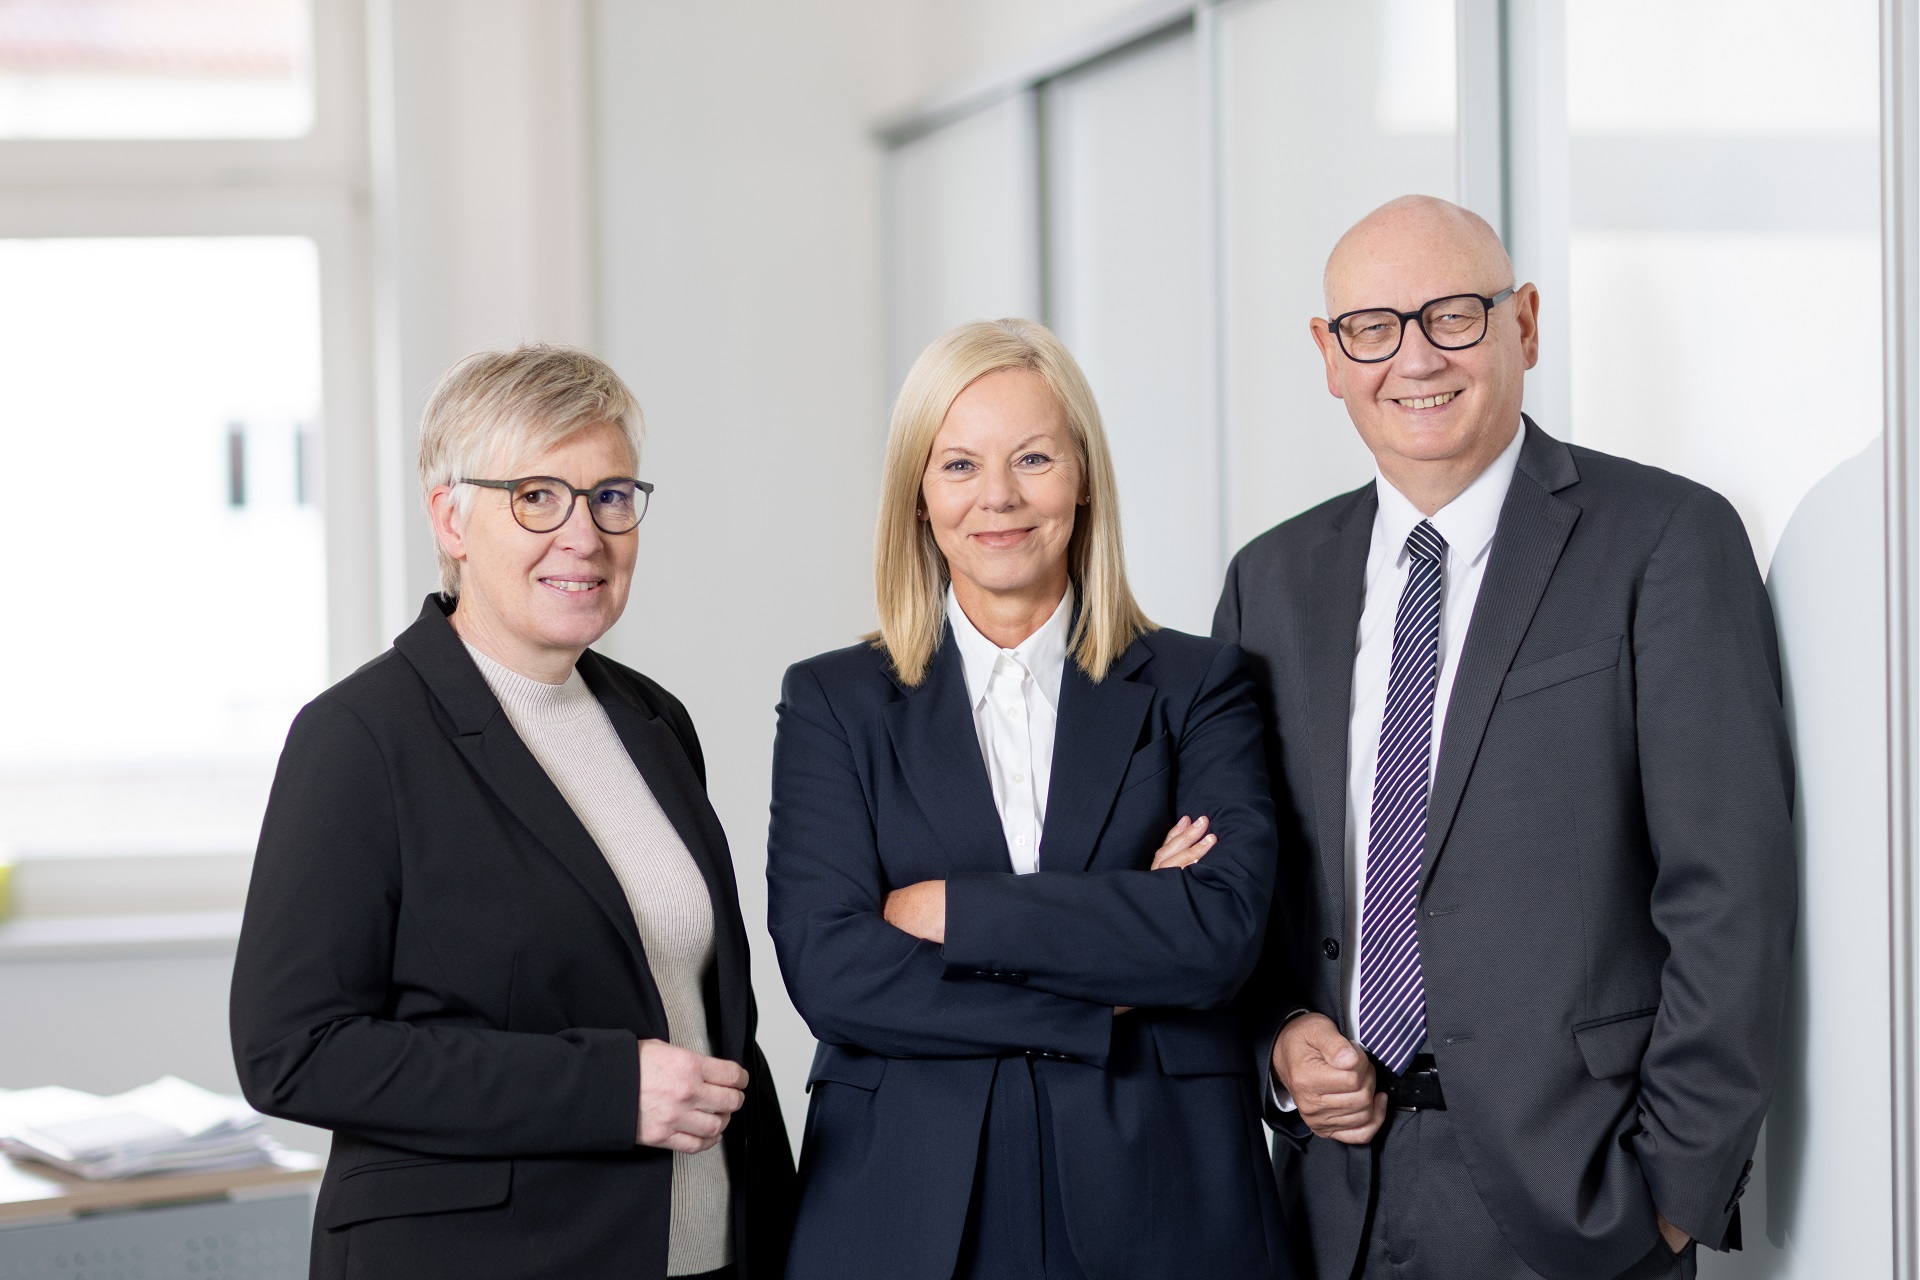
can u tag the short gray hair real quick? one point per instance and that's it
(498, 406)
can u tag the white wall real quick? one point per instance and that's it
(115, 1021)
(482, 152)
(738, 209)
(1820, 1203)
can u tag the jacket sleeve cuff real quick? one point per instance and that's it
(615, 1085)
(1707, 1209)
(969, 948)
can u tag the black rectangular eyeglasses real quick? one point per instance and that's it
(1452, 323)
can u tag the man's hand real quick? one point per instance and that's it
(1330, 1079)
(686, 1098)
(1677, 1240)
(919, 909)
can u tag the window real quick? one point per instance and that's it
(161, 402)
(154, 69)
(184, 372)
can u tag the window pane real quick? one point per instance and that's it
(1128, 205)
(962, 223)
(1369, 116)
(1703, 189)
(164, 574)
(154, 69)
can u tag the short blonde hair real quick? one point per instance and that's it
(911, 574)
(498, 406)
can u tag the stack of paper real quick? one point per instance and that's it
(168, 1126)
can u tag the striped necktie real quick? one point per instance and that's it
(1393, 1002)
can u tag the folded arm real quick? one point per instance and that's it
(1176, 938)
(856, 979)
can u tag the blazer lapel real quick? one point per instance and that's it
(485, 737)
(1095, 733)
(1533, 529)
(669, 775)
(939, 752)
(1331, 630)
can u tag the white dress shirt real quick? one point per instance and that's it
(1468, 524)
(1015, 696)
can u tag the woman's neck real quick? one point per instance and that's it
(1008, 617)
(479, 628)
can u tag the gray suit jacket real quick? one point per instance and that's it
(1608, 896)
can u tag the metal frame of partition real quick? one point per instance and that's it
(1900, 246)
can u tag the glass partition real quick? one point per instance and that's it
(1368, 116)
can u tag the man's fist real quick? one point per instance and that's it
(1330, 1078)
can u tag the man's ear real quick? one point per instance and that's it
(442, 513)
(1526, 313)
(1330, 352)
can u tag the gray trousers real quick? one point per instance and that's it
(1428, 1223)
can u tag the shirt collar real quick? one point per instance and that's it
(1467, 523)
(1043, 654)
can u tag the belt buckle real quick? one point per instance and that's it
(1417, 1089)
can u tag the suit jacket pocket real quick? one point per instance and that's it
(840, 1064)
(1584, 661)
(398, 1188)
(1149, 762)
(1201, 1045)
(1614, 1046)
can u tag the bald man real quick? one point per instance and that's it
(1521, 1001)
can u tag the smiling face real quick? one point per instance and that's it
(1434, 419)
(533, 601)
(1000, 493)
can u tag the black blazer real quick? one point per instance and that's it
(438, 964)
(1609, 892)
(877, 786)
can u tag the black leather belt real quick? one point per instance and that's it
(1415, 1089)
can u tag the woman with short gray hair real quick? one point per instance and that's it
(493, 939)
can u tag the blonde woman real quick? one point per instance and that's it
(1016, 972)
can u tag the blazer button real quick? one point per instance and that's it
(1331, 947)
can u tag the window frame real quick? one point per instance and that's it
(316, 186)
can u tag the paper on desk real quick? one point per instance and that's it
(168, 1126)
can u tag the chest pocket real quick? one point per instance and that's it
(1149, 762)
(1602, 655)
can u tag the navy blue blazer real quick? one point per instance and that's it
(1156, 1112)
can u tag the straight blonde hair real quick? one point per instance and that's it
(911, 574)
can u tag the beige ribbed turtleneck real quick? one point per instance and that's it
(569, 733)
